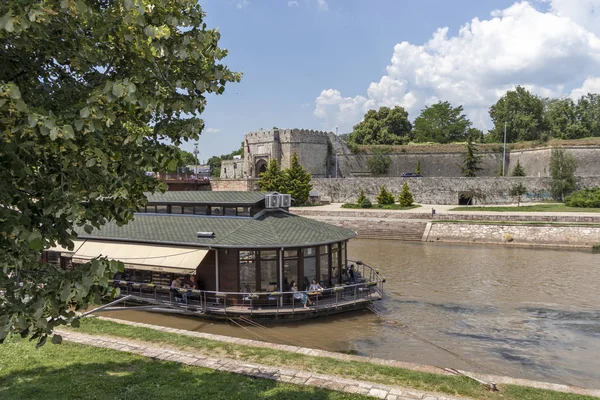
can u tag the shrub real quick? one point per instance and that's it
(405, 199)
(518, 170)
(586, 198)
(361, 197)
(385, 197)
(596, 248)
(378, 163)
(366, 203)
(418, 169)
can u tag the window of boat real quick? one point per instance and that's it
(243, 211)
(335, 264)
(343, 254)
(324, 266)
(216, 211)
(151, 209)
(247, 271)
(229, 211)
(310, 267)
(290, 268)
(188, 209)
(53, 257)
(176, 210)
(200, 210)
(268, 270)
(161, 209)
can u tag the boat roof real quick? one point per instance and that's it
(268, 229)
(207, 197)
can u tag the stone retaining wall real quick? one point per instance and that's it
(241, 185)
(515, 234)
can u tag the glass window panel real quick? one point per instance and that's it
(200, 210)
(188, 209)
(290, 273)
(53, 257)
(335, 267)
(324, 249)
(310, 272)
(309, 251)
(150, 209)
(343, 254)
(176, 210)
(216, 211)
(243, 211)
(268, 254)
(229, 211)
(268, 275)
(290, 253)
(324, 270)
(247, 271)
(161, 209)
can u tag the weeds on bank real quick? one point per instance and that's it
(455, 385)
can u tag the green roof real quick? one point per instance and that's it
(207, 197)
(268, 230)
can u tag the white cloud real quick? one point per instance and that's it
(241, 4)
(323, 5)
(293, 3)
(543, 51)
(590, 85)
(212, 130)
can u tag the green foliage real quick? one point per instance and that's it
(361, 197)
(90, 93)
(441, 123)
(500, 171)
(562, 170)
(273, 179)
(596, 248)
(523, 113)
(418, 168)
(215, 161)
(470, 159)
(563, 119)
(385, 197)
(517, 191)
(405, 199)
(476, 134)
(588, 111)
(378, 163)
(297, 182)
(353, 147)
(386, 126)
(366, 203)
(518, 170)
(585, 198)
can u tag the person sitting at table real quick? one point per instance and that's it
(300, 295)
(175, 286)
(314, 286)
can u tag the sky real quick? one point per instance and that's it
(318, 64)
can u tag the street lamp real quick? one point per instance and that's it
(504, 152)
(336, 151)
(196, 152)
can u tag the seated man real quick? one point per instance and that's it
(175, 286)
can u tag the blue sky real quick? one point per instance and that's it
(315, 64)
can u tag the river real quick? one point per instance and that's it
(526, 313)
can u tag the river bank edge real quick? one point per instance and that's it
(341, 357)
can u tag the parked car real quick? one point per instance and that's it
(411, 175)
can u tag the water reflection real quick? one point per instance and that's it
(526, 313)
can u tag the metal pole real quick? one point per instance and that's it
(336, 151)
(217, 269)
(504, 152)
(105, 306)
(280, 299)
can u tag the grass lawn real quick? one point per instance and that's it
(73, 371)
(454, 385)
(553, 207)
(381, 206)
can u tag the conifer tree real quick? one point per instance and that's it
(418, 169)
(272, 180)
(385, 197)
(406, 198)
(518, 170)
(297, 182)
(361, 197)
(470, 159)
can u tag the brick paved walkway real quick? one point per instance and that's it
(255, 370)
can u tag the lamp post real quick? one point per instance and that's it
(504, 152)
(196, 152)
(336, 151)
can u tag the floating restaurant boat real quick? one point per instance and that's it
(236, 254)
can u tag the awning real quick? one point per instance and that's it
(66, 252)
(171, 259)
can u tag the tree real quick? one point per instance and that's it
(384, 197)
(470, 159)
(297, 182)
(361, 197)
(90, 93)
(518, 170)
(441, 123)
(418, 168)
(215, 166)
(562, 171)
(517, 191)
(588, 111)
(405, 199)
(564, 122)
(386, 126)
(523, 113)
(273, 179)
(378, 163)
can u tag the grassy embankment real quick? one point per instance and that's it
(381, 206)
(454, 385)
(73, 371)
(552, 207)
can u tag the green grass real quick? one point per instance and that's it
(381, 206)
(552, 207)
(455, 385)
(73, 371)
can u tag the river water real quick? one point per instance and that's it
(526, 313)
